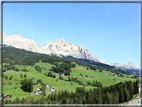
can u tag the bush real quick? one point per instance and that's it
(27, 85)
(38, 68)
(10, 83)
(24, 70)
(10, 77)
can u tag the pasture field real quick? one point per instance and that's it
(15, 88)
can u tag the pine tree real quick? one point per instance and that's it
(17, 100)
(10, 77)
(126, 94)
(89, 98)
(43, 90)
(84, 101)
(21, 75)
(99, 98)
(25, 75)
(108, 98)
(121, 96)
(116, 97)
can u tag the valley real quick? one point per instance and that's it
(10, 85)
(77, 74)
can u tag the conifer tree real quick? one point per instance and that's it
(121, 96)
(99, 99)
(43, 90)
(25, 75)
(84, 101)
(108, 97)
(126, 94)
(10, 77)
(116, 97)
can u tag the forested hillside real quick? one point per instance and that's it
(101, 66)
(22, 57)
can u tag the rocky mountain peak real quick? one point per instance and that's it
(129, 65)
(58, 47)
(60, 40)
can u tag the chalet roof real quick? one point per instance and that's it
(6, 95)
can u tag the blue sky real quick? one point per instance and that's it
(108, 30)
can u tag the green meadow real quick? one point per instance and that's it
(15, 88)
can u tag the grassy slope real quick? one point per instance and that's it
(59, 85)
(104, 78)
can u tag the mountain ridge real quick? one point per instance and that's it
(58, 47)
(131, 67)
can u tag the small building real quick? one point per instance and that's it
(88, 76)
(79, 77)
(52, 89)
(37, 91)
(31, 93)
(46, 84)
(110, 75)
(55, 73)
(38, 83)
(115, 75)
(84, 83)
(62, 75)
(6, 96)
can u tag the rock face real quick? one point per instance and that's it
(61, 47)
(116, 64)
(129, 65)
(19, 42)
(58, 47)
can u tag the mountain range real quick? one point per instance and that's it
(60, 48)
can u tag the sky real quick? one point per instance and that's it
(108, 30)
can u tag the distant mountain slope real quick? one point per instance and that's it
(100, 65)
(131, 67)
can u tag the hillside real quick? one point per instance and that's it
(99, 65)
(22, 57)
(9, 85)
(15, 64)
